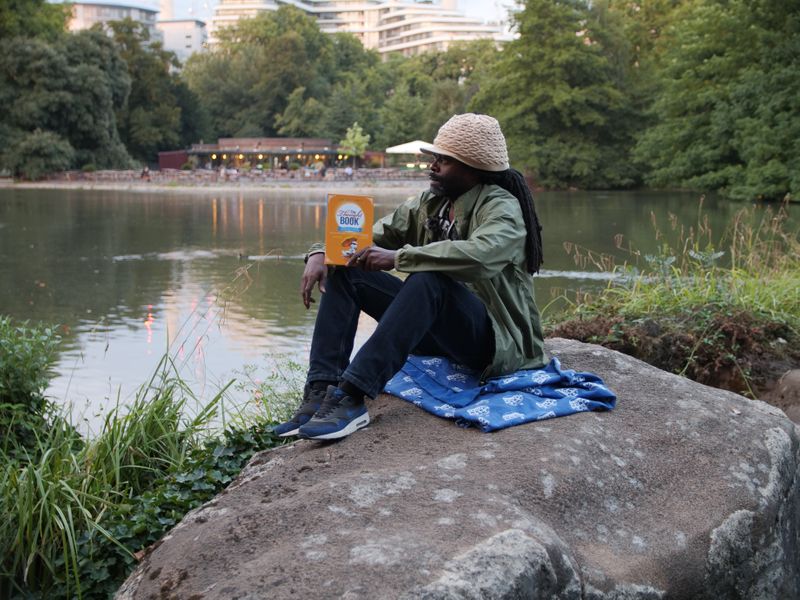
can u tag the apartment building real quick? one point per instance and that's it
(86, 13)
(184, 37)
(406, 27)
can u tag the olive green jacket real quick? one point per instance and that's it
(488, 257)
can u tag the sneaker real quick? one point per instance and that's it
(339, 416)
(312, 400)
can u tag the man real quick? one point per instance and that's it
(470, 245)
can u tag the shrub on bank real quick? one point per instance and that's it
(108, 552)
(34, 155)
(732, 324)
(26, 356)
(76, 512)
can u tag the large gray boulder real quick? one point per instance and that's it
(683, 491)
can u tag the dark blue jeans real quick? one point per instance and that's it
(427, 314)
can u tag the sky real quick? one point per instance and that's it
(203, 9)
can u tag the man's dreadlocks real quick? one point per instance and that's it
(512, 181)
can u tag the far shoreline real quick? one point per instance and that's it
(358, 186)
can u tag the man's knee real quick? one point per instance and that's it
(356, 279)
(429, 279)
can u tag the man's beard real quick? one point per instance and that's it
(438, 186)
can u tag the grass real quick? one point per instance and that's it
(722, 312)
(754, 266)
(76, 512)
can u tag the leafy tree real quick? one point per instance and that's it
(71, 88)
(223, 83)
(350, 56)
(561, 97)
(401, 118)
(448, 98)
(32, 18)
(250, 83)
(195, 125)
(36, 154)
(247, 81)
(463, 62)
(460, 73)
(644, 24)
(355, 142)
(351, 100)
(161, 112)
(423, 91)
(728, 116)
(303, 117)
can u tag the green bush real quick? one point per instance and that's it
(77, 511)
(39, 153)
(26, 355)
(89, 168)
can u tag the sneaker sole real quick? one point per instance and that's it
(352, 427)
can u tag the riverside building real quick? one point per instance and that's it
(184, 37)
(405, 27)
(181, 36)
(86, 13)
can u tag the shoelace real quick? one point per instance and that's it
(328, 406)
(311, 405)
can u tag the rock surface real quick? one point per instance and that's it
(786, 395)
(683, 491)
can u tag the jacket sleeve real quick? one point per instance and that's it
(497, 240)
(316, 248)
(397, 228)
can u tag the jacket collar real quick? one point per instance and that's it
(466, 202)
(463, 205)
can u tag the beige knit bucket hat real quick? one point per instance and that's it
(475, 140)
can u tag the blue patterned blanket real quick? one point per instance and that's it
(452, 391)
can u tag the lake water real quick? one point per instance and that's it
(212, 277)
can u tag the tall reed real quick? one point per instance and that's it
(755, 266)
(62, 486)
(722, 310)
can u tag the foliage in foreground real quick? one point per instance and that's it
(734, 325)
(26, 356)
(77, 512)
(106, 554)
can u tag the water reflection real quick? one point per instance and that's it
(214, 278)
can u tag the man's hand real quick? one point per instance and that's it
(315, 273)
(373, 259)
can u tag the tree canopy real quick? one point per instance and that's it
(247, 82)
(70, 89)
(560, 95)
(161, 113)
(32, 18)
(699, 94)
(727, 116)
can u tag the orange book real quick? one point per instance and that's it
(348, 227)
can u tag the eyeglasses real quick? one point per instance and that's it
(438, 158)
